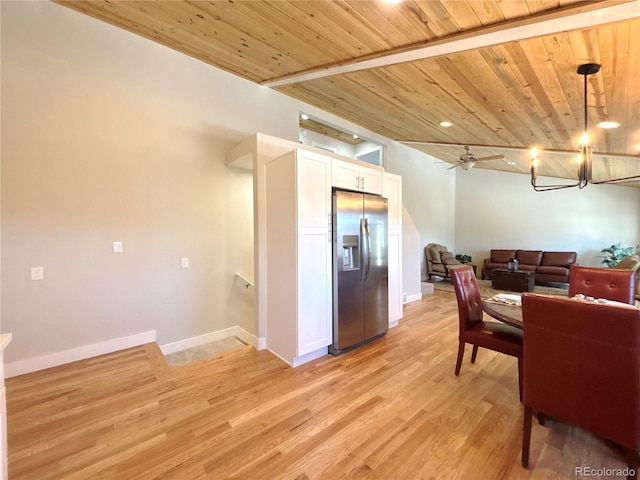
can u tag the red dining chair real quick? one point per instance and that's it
(474, 330)
(582, 367)
(609, 283)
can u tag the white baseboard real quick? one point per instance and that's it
(86, 351)
(236, 331)
(413, 298)
(393, 323)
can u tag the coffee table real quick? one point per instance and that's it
(513, 280)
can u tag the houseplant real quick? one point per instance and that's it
(463, 258)
(615, 253)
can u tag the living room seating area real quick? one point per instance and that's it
(549, 267)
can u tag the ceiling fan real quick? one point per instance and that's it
(468, 160)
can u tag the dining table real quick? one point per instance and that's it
(508, 313)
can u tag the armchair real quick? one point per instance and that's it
(439, 260)
(609, 283)
(581, 365)
(632, 262)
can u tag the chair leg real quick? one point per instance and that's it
(520, 377)
(526, 436)
(542, 418)
(474, 354)
(460, 355)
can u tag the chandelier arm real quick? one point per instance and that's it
(614, 180)
(544, 188)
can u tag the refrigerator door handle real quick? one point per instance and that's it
(368, 236)
(361, 248)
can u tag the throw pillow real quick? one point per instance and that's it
(632, 262)
(448, 258)
(435, 254)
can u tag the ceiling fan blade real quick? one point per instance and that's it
(491, 157)
(456, 165)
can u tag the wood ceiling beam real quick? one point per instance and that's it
(573, 18)
(513, 149)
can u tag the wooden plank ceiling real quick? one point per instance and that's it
(502, 72)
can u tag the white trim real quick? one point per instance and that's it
(236, 331)
(307, 357)
(393, 323)
(494, 35)
(413, 298)
(86, 351)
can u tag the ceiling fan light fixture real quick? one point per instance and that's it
(585, 156)
(468, 165)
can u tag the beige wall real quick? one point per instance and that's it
(109, 137)
(501, 210)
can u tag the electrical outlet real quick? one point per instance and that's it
(37, 273)
(184, 263)
(117, 247)
(404, 298)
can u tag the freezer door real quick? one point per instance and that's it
(376, 296)
(348, 295)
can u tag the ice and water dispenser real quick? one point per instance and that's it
(350, 252)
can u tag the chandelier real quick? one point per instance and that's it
(585, 155)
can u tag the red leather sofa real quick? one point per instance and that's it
(549, 267)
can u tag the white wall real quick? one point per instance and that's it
(501, 210)
(110, 137)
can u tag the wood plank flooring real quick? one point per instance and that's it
(392, 409)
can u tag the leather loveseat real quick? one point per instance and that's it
(549, 267)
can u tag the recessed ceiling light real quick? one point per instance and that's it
(355, 136)
(608, 125)
(304, 116)
(511, 163)
(445, 124)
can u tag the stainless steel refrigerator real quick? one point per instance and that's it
(360, 269)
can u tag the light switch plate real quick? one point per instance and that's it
(117, 247)
(37, 273)
(184, 263)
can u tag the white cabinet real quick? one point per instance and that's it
(356, 177)
(392, 190)
(298, 256)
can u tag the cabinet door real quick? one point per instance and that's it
(314, 189)
(371, 180)
(345, 174)
(392, 190)
(395, 275)
(315, 304)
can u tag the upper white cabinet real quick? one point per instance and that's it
(352, 176)
(392, 190)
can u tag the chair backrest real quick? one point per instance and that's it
(468, 296)
(582, 364)
(609, 283)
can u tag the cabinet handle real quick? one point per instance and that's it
(362, 187)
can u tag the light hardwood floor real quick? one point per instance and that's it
(392, 409)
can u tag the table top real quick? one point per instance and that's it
(509, 314)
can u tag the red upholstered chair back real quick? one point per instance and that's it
(582, 364)
(468, 296)
(609, 283)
